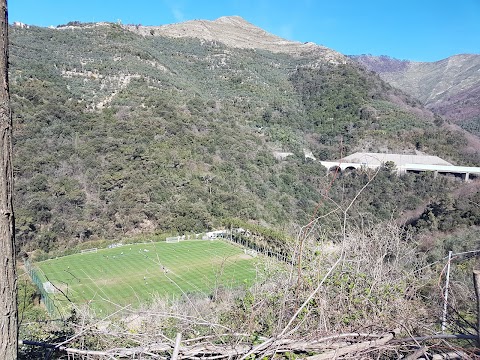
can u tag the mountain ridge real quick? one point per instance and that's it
(449, 87)
(234, 31)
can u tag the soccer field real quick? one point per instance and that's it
(134, 274)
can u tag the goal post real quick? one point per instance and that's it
(173, 239)
(250, 252)
(48, 287)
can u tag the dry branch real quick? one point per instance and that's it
(352, 349)
(328, 344)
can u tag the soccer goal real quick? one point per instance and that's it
(250, 252)
(93, 250)
(48, 287)
(173, 239)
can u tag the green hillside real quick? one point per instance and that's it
(118, 134)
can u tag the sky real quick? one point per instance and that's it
(418, 30)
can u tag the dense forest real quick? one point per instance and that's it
(118, 134)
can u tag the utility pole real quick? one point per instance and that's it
(8, 279)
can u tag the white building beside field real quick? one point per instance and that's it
(214, 234)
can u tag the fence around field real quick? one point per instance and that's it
(249, 244)
(45, 295)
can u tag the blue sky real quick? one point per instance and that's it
(421, 30)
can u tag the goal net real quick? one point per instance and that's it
(173, 239)
(250, 252)
(49, 288)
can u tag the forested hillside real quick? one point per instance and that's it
(118, 133)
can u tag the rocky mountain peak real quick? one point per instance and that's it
(234, 20)
(234, 31)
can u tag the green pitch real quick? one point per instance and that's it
(134, 274)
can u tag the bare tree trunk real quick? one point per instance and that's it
(8, 280)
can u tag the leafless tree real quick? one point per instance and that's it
(8, 292)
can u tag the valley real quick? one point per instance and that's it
(131, 134)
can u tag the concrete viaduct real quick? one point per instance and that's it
(403, 164)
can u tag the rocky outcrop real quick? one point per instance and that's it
(236, 32)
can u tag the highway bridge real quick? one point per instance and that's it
(403, 163)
